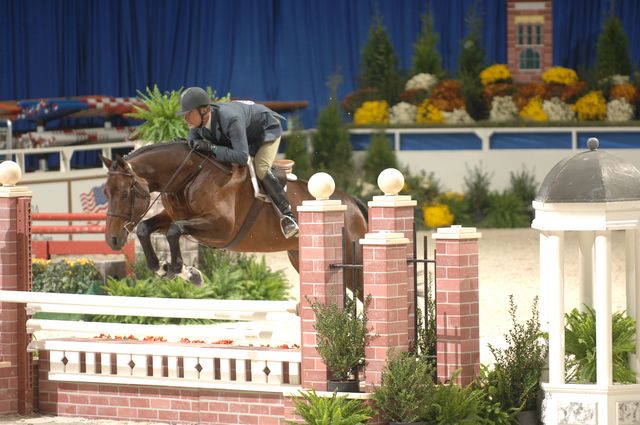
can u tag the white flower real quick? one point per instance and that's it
(457, 116)
(403, 113)
(422, 81)
(503, 109)
(619, 79)
(619, 110)
(557, 110)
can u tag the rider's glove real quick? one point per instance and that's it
(201, 145)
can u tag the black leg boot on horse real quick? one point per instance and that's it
(279, 198)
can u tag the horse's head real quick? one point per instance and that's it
(128, 197)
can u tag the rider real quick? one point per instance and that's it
(242, 128)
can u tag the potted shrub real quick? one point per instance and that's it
(342, 336)
(518, 367)
(405, 389)
(334, 410)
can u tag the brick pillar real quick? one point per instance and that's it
(16, 384)
(320, 241)
(457, 303)
(385, 279)
(395, 213)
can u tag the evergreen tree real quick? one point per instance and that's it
(380, 64)
(380, 155)
(612, 53)
(296, 150)
(470, 64)
(332, 151)
(426, 57)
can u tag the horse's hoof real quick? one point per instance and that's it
(192, 275)
(163, 271)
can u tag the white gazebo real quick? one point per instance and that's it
(592, 193)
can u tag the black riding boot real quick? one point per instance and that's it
(276, 192)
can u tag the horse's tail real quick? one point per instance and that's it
(362, 207)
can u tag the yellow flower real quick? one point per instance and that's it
(429, 114)
(533, 111)
(437, 215)
(84, 261)
(454, 196)
(560, 75)
(494, 73)
(591, 107)
(372, 112)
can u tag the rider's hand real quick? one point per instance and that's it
(201, 145)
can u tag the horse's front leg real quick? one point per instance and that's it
(159, 222)
(186, 227)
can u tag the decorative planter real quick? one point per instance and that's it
(527, 417)
(344, 386)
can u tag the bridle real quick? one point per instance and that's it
(135, 191)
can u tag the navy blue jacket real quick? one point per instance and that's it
(239, 128)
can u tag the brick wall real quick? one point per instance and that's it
(174, 405)
(457, 303)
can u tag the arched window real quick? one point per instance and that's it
(529, 59)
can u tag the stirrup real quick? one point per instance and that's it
(288, 226)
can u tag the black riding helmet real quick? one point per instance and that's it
(192, 98)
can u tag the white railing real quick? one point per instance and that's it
(201, 365)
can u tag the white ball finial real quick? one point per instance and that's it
(390, 181)
(10, 173)
(321, 186)
(593, 143)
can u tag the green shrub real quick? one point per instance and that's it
(524, 186)
(470, 63)
(580, 346)
(297, 150)
(612, 53)
(425, 346)
(476, 191)
(518, 367)
(332, 150)
(422, 187)
(505, 210)
(334, 410)
(452, 404)
(490, 408)
(426, 57)
(405, 390)
(379, 63)
(65, 276)
(380, 155)
(458, 206)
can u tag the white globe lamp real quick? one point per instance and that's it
(321, 186)
(10, 173)
(390, 181)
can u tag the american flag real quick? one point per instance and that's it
(94, 200)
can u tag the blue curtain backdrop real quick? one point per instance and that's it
(256, 49)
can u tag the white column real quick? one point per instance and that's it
(585, 271)
(544, 284)
(554, 257)
(630, 281)
(602, 251)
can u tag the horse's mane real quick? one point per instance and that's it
(147, 148)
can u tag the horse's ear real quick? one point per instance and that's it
(106, 161)
(121, 162)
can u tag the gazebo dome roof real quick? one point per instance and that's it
(589, 177)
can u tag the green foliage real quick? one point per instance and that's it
(523, 185)
(334, 410)
(426, 57)
(405, 389)
(452, 404)
(505, 210)
(490, 408)
(226, 275)
(422, 187)
(517, 368)
(159, 113)
(470, 63)
(459, 207)
(65, 276)
(380, 64)
(612, 53)
(380, 155)
(476, 191)
(297, 150)
(332, 150)
(342, 336)
(425, 346)
(580, 346)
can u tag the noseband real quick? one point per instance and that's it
(133, 194)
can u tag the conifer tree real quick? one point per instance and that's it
(470, 64)
(426, 57)
(612, 52)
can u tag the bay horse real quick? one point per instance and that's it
(209, 200)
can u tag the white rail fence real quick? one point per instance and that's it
(80, 357)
